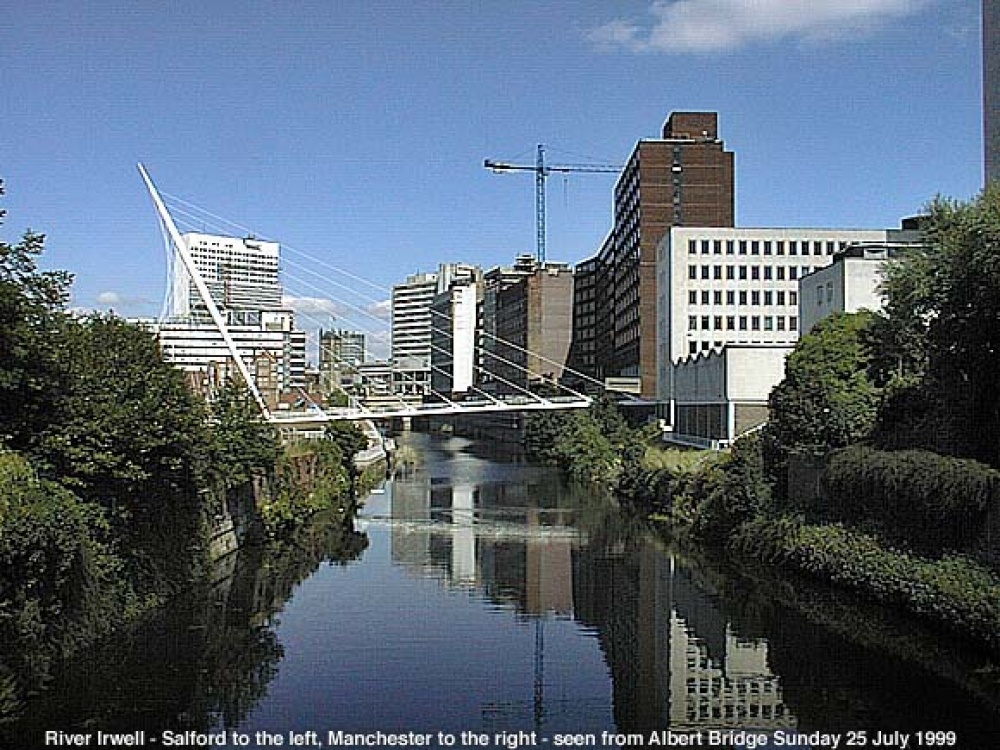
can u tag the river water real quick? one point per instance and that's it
(478, 593)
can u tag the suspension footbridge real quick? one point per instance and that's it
(492, 365)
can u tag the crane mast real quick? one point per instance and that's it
(542, 171)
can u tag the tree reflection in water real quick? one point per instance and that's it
(201, 663)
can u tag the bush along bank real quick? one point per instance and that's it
(725, 501)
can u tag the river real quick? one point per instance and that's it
(480, 594)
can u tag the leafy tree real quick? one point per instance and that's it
(242, 442)
(350, 439)
(129, 436)
(826, 399)
(31, 303)
(941, 333)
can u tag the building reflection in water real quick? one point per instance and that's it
(674, 658)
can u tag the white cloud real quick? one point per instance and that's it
(314, 306)
(121, 303)
(706, 26)
(381, 310)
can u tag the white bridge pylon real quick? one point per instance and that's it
(315, 415)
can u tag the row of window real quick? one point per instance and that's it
(765, 247)
(743, 322)
(753, 297)
(744, 273)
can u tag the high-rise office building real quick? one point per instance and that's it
(684, 178)
(241, 275)
(991, 88)
(411, 334)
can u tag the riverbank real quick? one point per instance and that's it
(724, 502)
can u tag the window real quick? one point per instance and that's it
(717, 273)
(692, 247)
(692, 322)
(793, 298)
(743, 273)
(693, 347)
(781, 298)
(781, 273)
(767, 273)
(793, 273)
(717, 247)
(805, 270)
(817, 248)
(704, 297)
(768, 323)
(755, 273)
(705, 271)
(704, 322)
(755, 323)
(743, 297)
(730, 297)
(692, 272)
(755, 247)
(767, 247)
(779, 247)
(829, 292)
(717, 298)
(830, 245)
(692, 297)
(717, 323)
(754, 298)
(704, 247)
(730, 323)
(793, 323)
(743, 322)
(819, 295)
(743, 247)
(781, 322)
(730, 247)
(768, 298)
(793, 247)
(730, 272)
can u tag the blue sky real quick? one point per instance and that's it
(355, 131)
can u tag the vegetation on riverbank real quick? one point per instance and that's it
(871, 399)
(111, 471)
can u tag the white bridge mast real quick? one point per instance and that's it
(206, 295)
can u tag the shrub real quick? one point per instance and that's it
(917, 497)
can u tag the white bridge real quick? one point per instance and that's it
(314, 416)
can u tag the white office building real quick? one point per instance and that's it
(849, 284)
(242, 277)
(453, 337)
(411, 334)
(718, 286)
(241, 274)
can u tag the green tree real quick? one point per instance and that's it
(129, 436)
(940, 332)
(243, 444)
(31, 311)
(826, 399)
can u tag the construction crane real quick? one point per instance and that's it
(542, 171)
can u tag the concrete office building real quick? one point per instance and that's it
(721, 286)
(411, 334)
(991, 88)
(684, 178)
(723, 393)
(534, 315)
(849, 284)
(496, 281)
(241, 274)
(453, 336)
(242, 278)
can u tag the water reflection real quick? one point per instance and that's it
(531, 542)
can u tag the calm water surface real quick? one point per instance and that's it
(481, 593)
